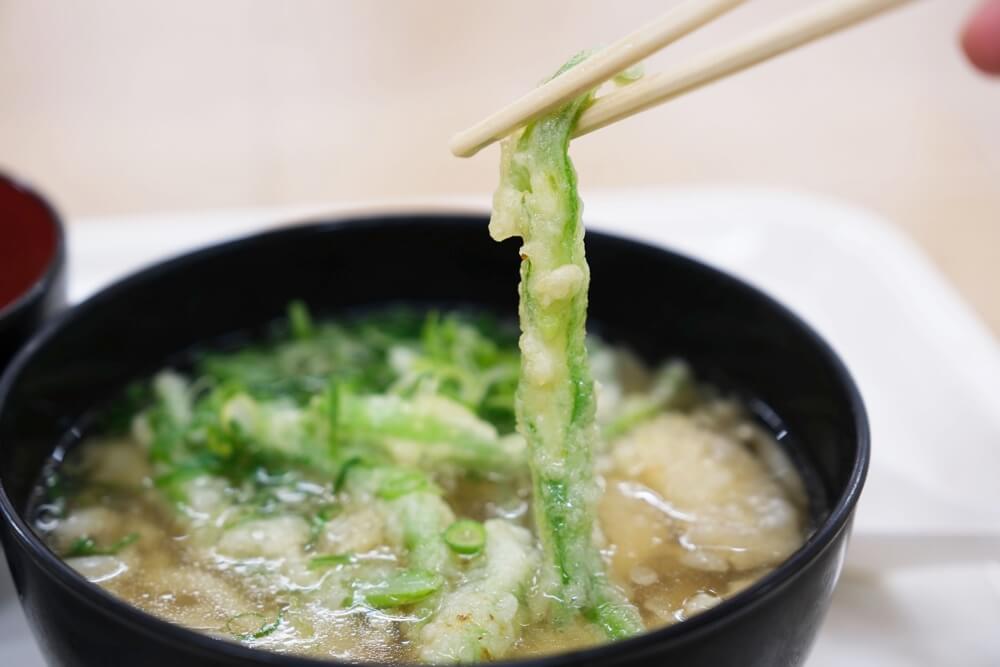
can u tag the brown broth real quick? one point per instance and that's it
(175, 570)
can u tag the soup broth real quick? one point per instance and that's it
(358, 490)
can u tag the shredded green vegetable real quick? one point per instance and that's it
(671, 387)
(252, 625)
(450, 432)
(330, 560)
(334, 394)
(86, 546)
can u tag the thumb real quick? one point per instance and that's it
(981, 39)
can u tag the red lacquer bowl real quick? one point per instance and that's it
(32, 264)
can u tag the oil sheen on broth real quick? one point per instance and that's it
(212, 499)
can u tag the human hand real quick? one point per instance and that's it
(981, 38)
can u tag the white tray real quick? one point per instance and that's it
(928, 369)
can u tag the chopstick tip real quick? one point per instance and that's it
(460, 146)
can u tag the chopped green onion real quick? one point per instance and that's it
(330, 560)
(406, 587)
(86, 546)
(466, 537)
(252, 625)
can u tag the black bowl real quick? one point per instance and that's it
(660, 303)
(32, 264)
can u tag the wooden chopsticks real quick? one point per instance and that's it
(801, 28)
(609, 61)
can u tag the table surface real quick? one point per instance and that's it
(280, 103)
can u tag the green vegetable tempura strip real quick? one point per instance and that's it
(422, 518)
(537, 200)
(446, 431)
(483, 618)
(416, 514)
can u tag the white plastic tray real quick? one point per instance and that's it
(928, 369)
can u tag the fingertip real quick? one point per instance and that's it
(981, 38)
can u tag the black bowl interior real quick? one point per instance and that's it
(659, 303)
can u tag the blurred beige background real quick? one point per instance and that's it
(126, 106)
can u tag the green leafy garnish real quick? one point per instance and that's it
(252, 625)
(466, 537)
(86, 546)
(402, 588)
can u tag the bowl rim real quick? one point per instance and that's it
(43, 284)
(822, 538)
